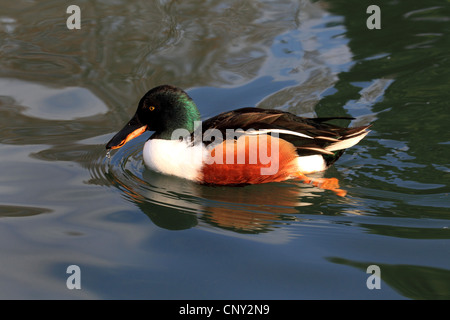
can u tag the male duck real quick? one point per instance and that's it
(244, 146)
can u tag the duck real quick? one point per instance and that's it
(236, 148)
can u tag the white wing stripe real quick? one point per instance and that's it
(283, 131)
(347, 143)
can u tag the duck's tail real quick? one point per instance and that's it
(349, 140)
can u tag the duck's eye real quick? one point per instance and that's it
(151, 108)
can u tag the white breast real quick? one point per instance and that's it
(174, 157)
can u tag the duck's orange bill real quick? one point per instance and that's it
(133, 134)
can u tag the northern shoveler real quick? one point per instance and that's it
(244, 146)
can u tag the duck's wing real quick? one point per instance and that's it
(309, 135)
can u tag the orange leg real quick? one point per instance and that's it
(323, 183)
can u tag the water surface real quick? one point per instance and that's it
(136, 234)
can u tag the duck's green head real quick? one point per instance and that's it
(163, 109)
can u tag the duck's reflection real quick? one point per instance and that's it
(176, 204)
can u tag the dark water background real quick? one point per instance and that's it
(136, 234)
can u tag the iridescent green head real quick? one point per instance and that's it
(162, 109)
